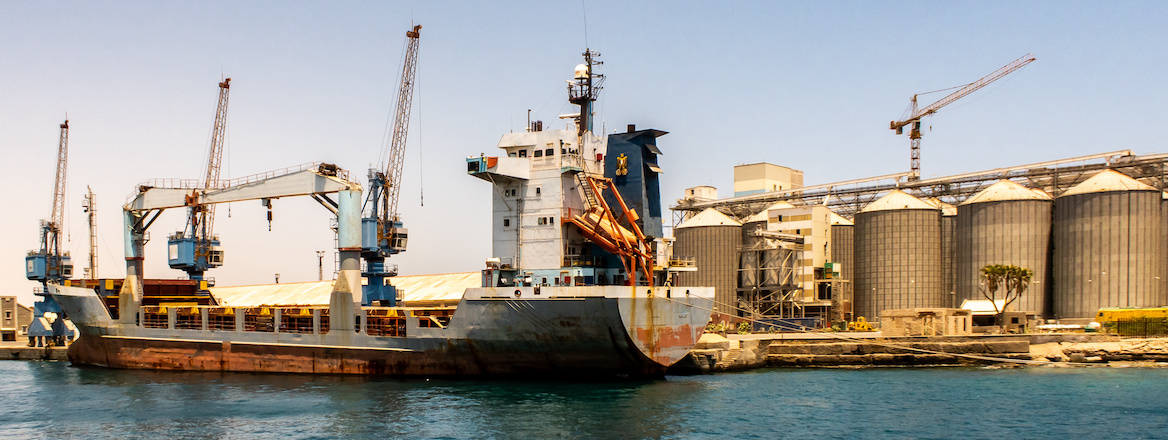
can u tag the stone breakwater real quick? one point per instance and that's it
(716, 353)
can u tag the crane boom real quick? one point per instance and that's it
(58, 211)
(215, 156)
(965, 90)
(401, 123)
(916, 114)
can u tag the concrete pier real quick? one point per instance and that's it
(715, 353)
(19, 351)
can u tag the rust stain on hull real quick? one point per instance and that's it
(194, 355)
(665, 337)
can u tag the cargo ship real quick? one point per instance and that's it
(579, 284)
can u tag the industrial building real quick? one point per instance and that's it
(14, 318)
(1093, 229)
(763, 177)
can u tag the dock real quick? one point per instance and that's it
(20, 351)
(717, 353)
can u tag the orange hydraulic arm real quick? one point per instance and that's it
(613, 236)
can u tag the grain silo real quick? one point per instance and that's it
(1107, 246)
(1005, 223)
(712, 239)
(843, 253)
(948, 251)
(898, 255)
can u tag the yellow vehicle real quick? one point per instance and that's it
(860, 325)
(1116, 314)
(1143, 322)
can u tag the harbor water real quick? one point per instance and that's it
(55, 400)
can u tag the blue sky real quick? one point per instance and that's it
(811, 85)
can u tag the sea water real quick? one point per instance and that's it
(56, 400)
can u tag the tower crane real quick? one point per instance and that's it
(915, 114)
(50, 264)
(196, 248)
(382, 231)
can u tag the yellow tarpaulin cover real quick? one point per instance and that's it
(435, 289)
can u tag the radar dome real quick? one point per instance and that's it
(581, 72)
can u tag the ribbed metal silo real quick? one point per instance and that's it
(898, 255)
(1107, 246)
(712, 239)
(948, 251)
(1006, 223)
(843, 252)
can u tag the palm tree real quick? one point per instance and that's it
(1014, 280)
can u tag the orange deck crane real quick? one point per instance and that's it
(915, 114)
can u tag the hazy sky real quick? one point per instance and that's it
(810, 85)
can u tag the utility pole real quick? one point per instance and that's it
(320, 265)
(89, 205)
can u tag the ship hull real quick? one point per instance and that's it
(576, 332)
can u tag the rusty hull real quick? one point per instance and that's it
(595, 331)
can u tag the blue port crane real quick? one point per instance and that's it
(196, 249)
(50, 264)
(382, 231)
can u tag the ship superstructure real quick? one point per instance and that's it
(554, 223)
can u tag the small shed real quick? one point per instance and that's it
(925, 321)
(983, 313)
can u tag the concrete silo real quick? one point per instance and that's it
(1107, 246)
(1005, 223)
(843, 253)
(712, 239)
(898, 255)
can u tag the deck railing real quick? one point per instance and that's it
(374, 321)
